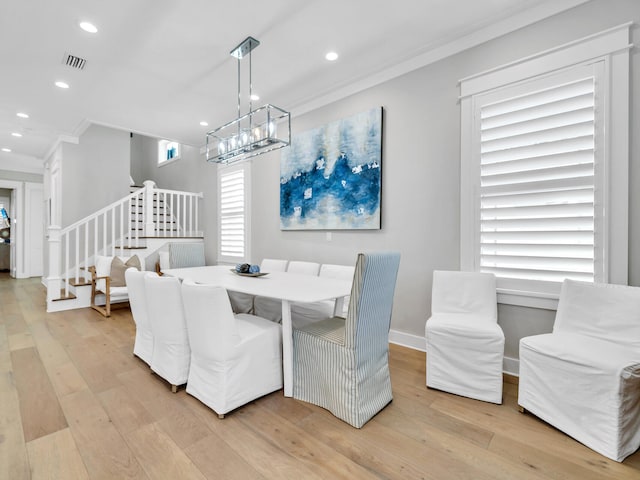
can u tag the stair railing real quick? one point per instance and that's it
(120, 226)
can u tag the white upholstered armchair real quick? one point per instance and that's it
(108, 283)
(584, 378)
(465, 344)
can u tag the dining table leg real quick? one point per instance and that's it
(287, 348)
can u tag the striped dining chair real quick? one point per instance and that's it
(342, 364)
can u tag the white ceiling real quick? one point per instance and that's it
(159, 67)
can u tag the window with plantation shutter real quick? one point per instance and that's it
(544, 186)
(233, 213)
(537, 184)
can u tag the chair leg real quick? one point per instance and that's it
(174, 388)
(521, 409)
(107, 295)
(221, 415)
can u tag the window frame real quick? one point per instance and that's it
(163, 147)
(228, 169)
(610, 47)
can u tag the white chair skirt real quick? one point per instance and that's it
(586, 387)
(255, 370)
(464, 356)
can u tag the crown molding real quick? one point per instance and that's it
(490, 32)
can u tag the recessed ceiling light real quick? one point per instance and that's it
(22, 115)
(6, 150)
(16, 134)
(204, 124)
(88, 27)
(331, 56)
(62, 85)
(254, 98)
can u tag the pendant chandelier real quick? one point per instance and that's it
(259, 131)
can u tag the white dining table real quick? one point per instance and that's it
(288, 287)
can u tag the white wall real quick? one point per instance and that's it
(33, 229)
(94, 173)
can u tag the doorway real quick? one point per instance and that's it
(5, 229)
(27, 227)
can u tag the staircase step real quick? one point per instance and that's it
(80, 283)
(169, 237)
(140, 247)
(70, 296)
(162, 221)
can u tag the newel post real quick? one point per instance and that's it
(54, 281)
(149, 224)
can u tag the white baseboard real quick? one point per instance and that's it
(510, 365)
(408, 340)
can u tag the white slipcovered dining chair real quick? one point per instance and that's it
(143, 345)
(305, 313)
(171, 352)
(273, 265)
(584, 378)
(234, 358)
(271, 308)
(343, 364)
(465, 344)
(243, 302)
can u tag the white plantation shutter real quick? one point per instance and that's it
(232, 213)
(537, 184)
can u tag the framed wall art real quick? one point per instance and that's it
(330, 177)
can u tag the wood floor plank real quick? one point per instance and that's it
(184, 427)
(39, 406)
(14, 322)
(371, 454)
(99, 362)
(5, 356)
(152, 392)
(14, 463)
(455, 445)
(126, 413)
(510, 423)
(420, 412)
(547, 464)
(226, 463)
(265, 457)
(66, 379)
(301, 444)
(21, 340)
(102, 448)
(159, 455)
(55, 456)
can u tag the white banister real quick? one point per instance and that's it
(54, 280)
(132, 218)
(149, 191)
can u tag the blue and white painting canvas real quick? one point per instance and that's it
(330, 176)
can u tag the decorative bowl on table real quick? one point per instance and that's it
(248, 270)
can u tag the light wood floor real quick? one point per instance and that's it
(75, 403)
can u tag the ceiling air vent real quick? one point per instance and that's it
(74, 62)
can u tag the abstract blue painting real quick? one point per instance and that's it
(330, 176)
